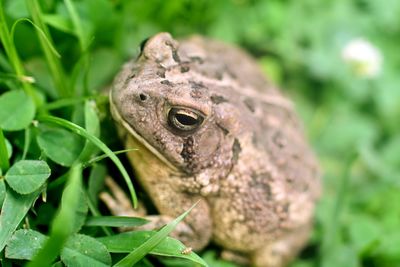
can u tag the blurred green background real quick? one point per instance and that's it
(351, 117)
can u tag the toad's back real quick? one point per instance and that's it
(272, 188)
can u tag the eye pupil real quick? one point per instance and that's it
(184, 119)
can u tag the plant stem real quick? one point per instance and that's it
(12, 55)
(57, 72)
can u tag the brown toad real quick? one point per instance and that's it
(210, 127)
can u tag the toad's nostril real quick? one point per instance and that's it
(143, 97)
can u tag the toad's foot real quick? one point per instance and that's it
(118, 202)
(120, 205)
(281, 252)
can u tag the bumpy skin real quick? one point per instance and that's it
(247, 162)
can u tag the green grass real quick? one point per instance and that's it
(57, 57)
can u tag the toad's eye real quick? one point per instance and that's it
(184, 119)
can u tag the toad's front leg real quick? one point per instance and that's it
(195, 231)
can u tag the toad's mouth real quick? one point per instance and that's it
(134, 134)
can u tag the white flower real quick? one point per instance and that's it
(363, 57)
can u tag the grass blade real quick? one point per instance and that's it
(65, 102)
(103, 156)
(330, 239)
(115, 221)
(83, 42)
(169, 247)
(40, 32)
(153, 241)
(76, 21)
(27, 142)
(81, 131)
(62, 225)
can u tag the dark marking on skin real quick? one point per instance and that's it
(219, 75)
(196, 85)
(197, 59)
(254, 140)
(175, 56)
(158, 140)
(249, 104)
(128, 79)
(161, 73)
(174, 51)
(166, 82)
(279, 140)
(224, 130)
(230, 73)
(217, 99)
(236, 149)
(197, 89)
(196, 94)
(184, 69)
(188, 153)
(262, 180)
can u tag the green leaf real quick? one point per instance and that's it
(37, 67)
(79, 130)
(9, 148)
(115, 221)
(390, 246)
(58, 264)
(27, 176)
(2, 191)
(4, 153)
(302, 263)
(130, 241)
(81, 210)
(339, 138)
(96, 182)
(364, 232)
(59, 22)
(92, 126)
(60, 145)
(17, 110)
(14, 209)
(16, 8)
(341, 255)
(17, 247)
(137, 254)
(92, 121)
(104, 63)
(63, 223)
(82, 250)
